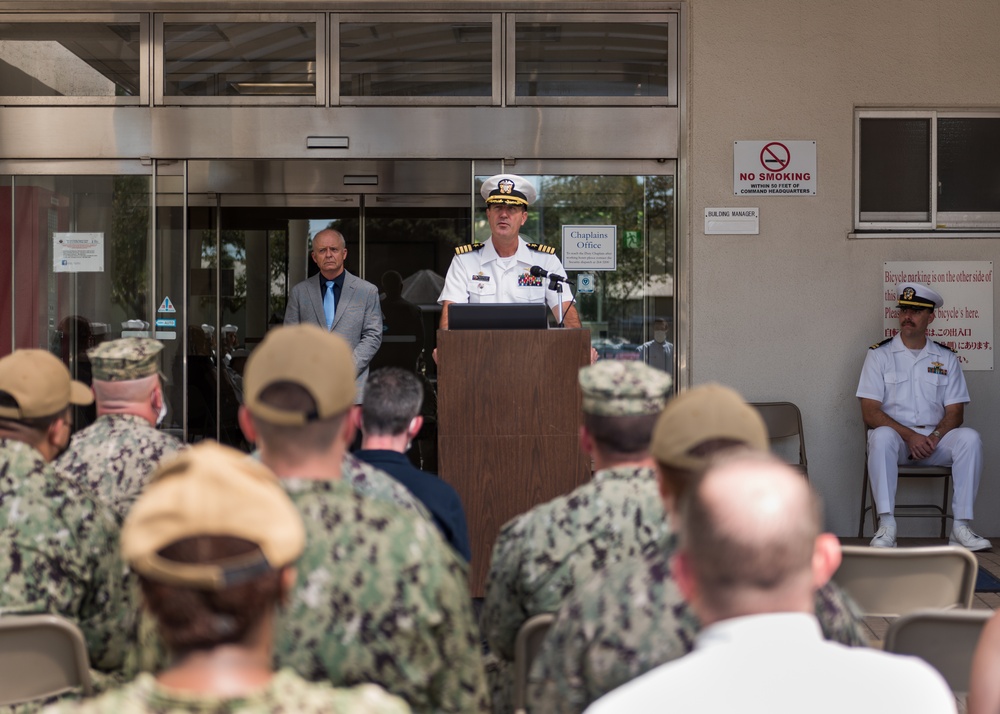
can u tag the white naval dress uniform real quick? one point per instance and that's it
(483, 276)
(914, 390)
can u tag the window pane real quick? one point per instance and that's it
(416, 59)
(63, 59)
(589, 59)
(969, 165)
(230, 59)
(895, 167)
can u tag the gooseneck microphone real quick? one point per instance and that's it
(540, 272)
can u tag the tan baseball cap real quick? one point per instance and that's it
(212, 490)
(704, 413)
(320, 362)
(40, 384)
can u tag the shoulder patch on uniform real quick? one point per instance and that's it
(468, 248)
(542, 248)
(879, 344)
(947, 347)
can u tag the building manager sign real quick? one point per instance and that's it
(774, 168)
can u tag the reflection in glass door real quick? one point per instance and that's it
(77, 269)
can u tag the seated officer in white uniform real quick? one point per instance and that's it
(913, 398)
(498, 270)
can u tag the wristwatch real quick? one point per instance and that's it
(935, 433)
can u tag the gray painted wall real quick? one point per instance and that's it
(789, 313)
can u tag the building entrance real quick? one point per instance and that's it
(202, 254)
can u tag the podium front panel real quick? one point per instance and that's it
(508, 425)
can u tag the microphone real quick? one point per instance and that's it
(540, 272)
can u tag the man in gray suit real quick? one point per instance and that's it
(340, 302)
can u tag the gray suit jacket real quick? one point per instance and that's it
(358, 319)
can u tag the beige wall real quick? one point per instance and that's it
(789, 313)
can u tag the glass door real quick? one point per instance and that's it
(76, 269)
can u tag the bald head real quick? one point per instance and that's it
(749, 532)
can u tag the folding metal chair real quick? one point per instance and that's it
(41, 656)
(526, 646)
(784, 430)
(945, 639)
(889, 582)
(919, 510)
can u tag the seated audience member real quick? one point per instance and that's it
(631, 617)
(116, 454)
(214, 540)
(542, 555)
(750, 560)
(380, 596)
(984, 685)
(390, 421)
(58, 545)
(913, 396)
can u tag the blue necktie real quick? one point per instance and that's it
(329, 307)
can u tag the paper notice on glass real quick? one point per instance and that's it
(78, 252)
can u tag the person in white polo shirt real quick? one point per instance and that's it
(751, 558)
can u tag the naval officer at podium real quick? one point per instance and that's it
(499, 270)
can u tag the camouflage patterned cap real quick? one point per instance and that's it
(617, 388)
(705, 413)
(212, 490)
(39, 384)
(320, 362)
(125, 359)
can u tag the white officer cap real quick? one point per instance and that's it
(510, 189)
(918, 295)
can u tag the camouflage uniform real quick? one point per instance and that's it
(59, 554)
(375, 484)
(381, 598)
(286, 692)
(630, 619)
(380, 486)
(542, 555)
(115, 456)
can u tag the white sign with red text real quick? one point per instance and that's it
(965, 321)
(774, 168)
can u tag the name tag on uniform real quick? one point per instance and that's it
(484, 278)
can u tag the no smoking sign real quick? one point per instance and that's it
(774, 168)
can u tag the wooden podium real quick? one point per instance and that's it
(508, 422)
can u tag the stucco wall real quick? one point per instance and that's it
(789, 313)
